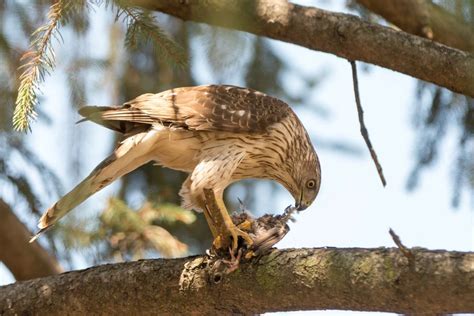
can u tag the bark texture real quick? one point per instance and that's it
(424, 18)
(294, 279)
(24, 260)
(344, 35)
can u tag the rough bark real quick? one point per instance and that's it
(294, 279)
(343, 35)
(424, 18)
(24, 260)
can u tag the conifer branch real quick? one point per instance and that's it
(39, 61)
(142, 28)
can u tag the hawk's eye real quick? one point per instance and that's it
(311, 184)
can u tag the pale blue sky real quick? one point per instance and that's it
(352, 209)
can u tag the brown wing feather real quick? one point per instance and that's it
(214, 107)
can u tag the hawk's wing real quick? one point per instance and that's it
(212, 107)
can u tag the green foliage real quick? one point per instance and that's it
(130, 233)
(16, 174)
(142, 28)
(39, 60)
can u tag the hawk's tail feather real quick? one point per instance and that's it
(118, 118)
(131, 154)
(38, 233)
(72, 199)
(94, 114)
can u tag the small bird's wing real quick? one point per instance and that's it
(208, 108)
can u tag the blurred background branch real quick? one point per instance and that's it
(340, 34)
(427, 19)
(25, 261)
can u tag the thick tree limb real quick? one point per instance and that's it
(344, 35)
(24, 260)
(424, 18)
(299, 279)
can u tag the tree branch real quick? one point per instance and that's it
(293, 279)
(24, 260)
(424, 18)
(363, 129)
(343, 35)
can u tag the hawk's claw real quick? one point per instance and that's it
(232, 232)
(236, 232)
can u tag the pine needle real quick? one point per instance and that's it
(39, 61)
(143, 28)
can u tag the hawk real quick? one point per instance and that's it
(218, 134)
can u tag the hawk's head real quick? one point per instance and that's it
(303, 179)
(308, 181)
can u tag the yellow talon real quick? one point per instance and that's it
(221, 223)
(245, 225)
(217, 243)
(235, 232)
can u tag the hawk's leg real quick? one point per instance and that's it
(221, 223)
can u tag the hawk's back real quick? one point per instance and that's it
(207, 108)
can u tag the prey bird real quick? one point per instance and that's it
(218, 134)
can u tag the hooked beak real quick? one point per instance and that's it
(301, 205)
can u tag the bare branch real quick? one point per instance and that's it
(363, 129)
(406, 252)
(25, 261)
(344, 35)
(424, 18)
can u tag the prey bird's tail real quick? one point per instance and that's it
(133, 152)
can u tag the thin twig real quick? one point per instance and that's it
(405, 251)
(363, 129)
